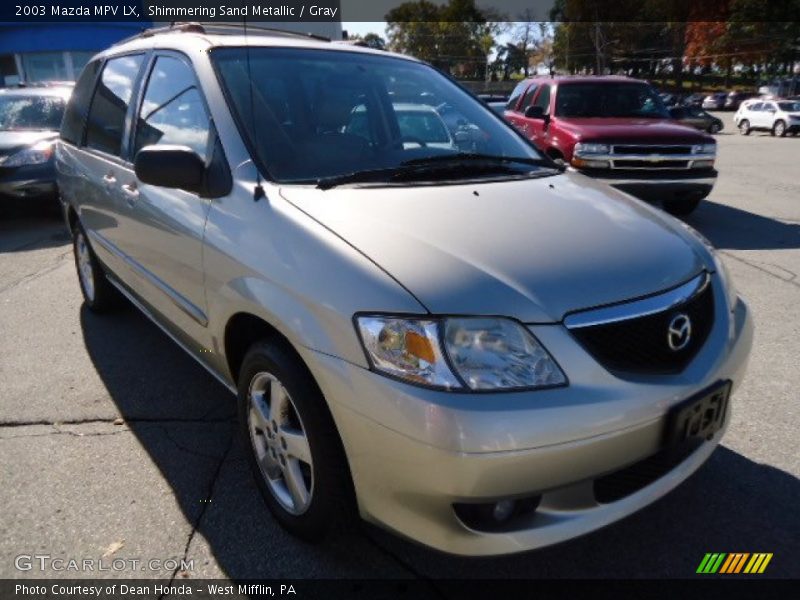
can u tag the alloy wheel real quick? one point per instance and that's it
(280, 443)
(85, 271)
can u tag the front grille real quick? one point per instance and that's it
(651, 157)
(650, 149)
(645, 164)
(639, 345)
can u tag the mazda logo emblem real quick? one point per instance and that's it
(679, 332)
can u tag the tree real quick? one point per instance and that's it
(457, 37)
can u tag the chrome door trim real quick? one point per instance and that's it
(192, 310)
(638, 308)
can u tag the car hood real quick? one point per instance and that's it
(632, 130)
(13, 140)
(531, 249)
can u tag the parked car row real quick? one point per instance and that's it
(716, 101)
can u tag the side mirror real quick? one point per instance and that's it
(534, 112)
(170, 167)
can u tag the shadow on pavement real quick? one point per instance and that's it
(730, 228)
(731, 505)
(23, 233)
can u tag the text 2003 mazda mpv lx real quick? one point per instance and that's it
(445, 332)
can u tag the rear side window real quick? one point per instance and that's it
(543, 99)
(172, 111)
(78, 107)
(528, 99)
(110, 104)
(518, 91)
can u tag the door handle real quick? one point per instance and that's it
(131, 192)
(109, 179)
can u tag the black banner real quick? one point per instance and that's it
(377, 10)
(731, 588)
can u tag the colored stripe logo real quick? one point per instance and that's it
(734, 562)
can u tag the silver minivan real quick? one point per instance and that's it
(460, 342)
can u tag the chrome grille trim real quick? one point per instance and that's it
(638, 308)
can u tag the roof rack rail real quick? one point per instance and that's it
(220, 28)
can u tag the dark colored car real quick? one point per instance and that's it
(694, 100)
(715, 101)
(30, 119)
(734, 99)
(617, 130)
(696, 117)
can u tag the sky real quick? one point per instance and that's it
(362, 28)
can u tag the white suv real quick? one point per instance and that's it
(777, 116)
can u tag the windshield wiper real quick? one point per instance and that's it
(432, 164)
(363, 176)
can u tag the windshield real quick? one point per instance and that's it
(319, 114)
(587, 100)
(20, 113)
(789, 106)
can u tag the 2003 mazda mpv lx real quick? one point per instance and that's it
(440, 330)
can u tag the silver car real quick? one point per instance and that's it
(462, 343)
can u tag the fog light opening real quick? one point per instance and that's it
(501, 515)
(503, 510)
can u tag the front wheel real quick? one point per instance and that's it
(680, 207)
(779, 129)
(294, 449)
(744, 127)
(714, 128)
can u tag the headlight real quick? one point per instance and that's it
(479, 354)
(705, 149)
(35, 155)
(588, 148)
(408, 349)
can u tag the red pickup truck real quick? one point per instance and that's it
(618, 130)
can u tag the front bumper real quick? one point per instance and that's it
(658, 186)
(414, 452)
(29, 181)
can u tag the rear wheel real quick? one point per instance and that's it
(779, 129)
(98, 293)
(744, 127)
(681, 207)
(294, 449)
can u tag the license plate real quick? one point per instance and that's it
(699, 417)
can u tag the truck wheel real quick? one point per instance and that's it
(680, 207)
(779, 129)
(294, 449)
(744, 127)
(98, 293)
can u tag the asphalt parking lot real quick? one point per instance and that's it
(114, 442)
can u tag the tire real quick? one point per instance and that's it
(744, 127)
(293, 443)
(714, 128)
(682, 206)
(779, 129)
(98, 293)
